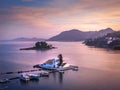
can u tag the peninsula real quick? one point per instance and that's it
(110, 41)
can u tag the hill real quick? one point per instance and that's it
(77, 35)
(111, 40)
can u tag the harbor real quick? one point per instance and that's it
(32, 75)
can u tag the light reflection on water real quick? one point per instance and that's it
(98, 68)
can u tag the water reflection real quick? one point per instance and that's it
(28, 82)
(24, 82)
(58, 76)
(99, 69)
(3, 86)
(54, 76)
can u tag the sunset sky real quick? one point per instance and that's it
(46, 18)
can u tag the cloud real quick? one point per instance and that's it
(57, 15)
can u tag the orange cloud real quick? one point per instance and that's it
(64, 14)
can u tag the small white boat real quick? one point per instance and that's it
(24, 77)
(44, 73)
(5, 80)
(33, 76)
(61, 71)
(75, 68)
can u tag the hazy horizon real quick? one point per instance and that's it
(46, 18)
(45, 37)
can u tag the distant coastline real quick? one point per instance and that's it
(72, 35)
(109, 41)
(25, 39)
(105, 38)
(77, 35)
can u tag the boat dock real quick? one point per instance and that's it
(5, 80)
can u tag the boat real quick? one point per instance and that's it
(5, 80)
(75, 68)
(33, 76)
(24, 77)
(44, 74)
(61, 71)
(29, 76)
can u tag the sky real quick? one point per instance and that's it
(46, 18)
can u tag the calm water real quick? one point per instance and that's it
(99, 69)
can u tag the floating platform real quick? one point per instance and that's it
(45, 72)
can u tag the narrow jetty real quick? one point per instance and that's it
(21, 71)
(6, 80)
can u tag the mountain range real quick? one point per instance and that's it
(28, 39)
(77, 35)
(71, 35)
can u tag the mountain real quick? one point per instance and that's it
(102, 32)
(72, 35)
(77, 35)
(28, 39)
(111, 40)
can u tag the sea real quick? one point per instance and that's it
(99, 69)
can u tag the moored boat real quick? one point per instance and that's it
(5, 80)
(24, 77)
(44, 73)
(33, 76)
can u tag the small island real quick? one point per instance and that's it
(39, 46)
(109, 41)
